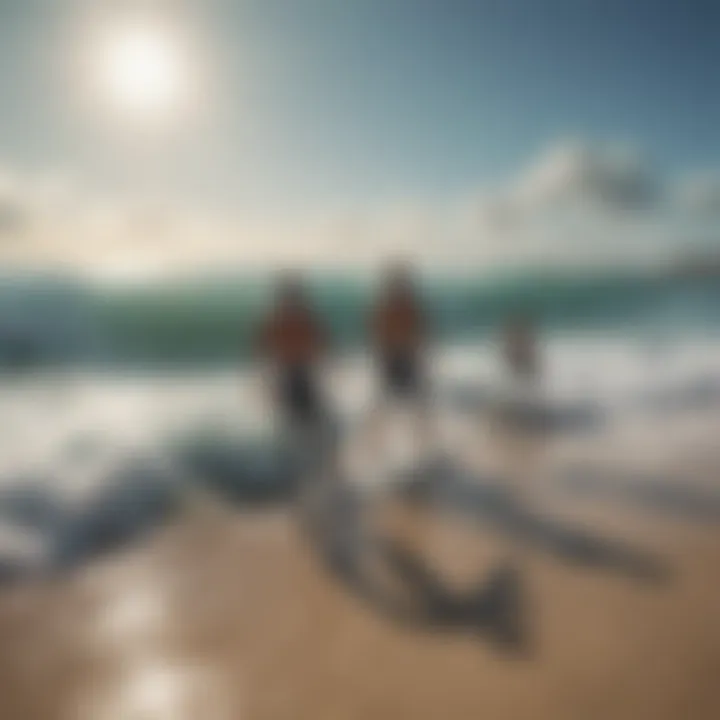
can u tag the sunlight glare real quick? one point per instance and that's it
(143, 72)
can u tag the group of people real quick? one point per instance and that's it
(294, 342)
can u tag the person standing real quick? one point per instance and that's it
(293, 343)
(399, 335)
(520, 349)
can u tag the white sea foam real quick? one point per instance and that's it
(86, 460)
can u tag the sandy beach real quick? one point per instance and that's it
(359, 360)
(232, 614)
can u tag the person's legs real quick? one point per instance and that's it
(305, 420)
(411, 386)
(403, 387)
(375, 427)
(426, 424)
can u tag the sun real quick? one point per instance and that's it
(142, 71)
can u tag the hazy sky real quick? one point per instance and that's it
(335, 108)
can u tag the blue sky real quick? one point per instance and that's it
(319, 104)
(391, 95)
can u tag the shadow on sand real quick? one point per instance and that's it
(497, 607)
(139, 497)
(657, 495)
(568, 418)
(494, 609)
(490, 504)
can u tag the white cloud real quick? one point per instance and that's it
(700, 193)
(576, 174)
(15, 215)
(574, 204)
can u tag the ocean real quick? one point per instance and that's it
(210, 321)
(116, 402)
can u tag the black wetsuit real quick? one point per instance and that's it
(299, 395)
(402, 374)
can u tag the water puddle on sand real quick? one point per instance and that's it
(132, 635)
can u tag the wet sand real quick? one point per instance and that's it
(225, 614)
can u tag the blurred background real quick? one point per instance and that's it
(162, 161)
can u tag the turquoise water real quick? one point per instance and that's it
(46, 320)
(104, 441)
